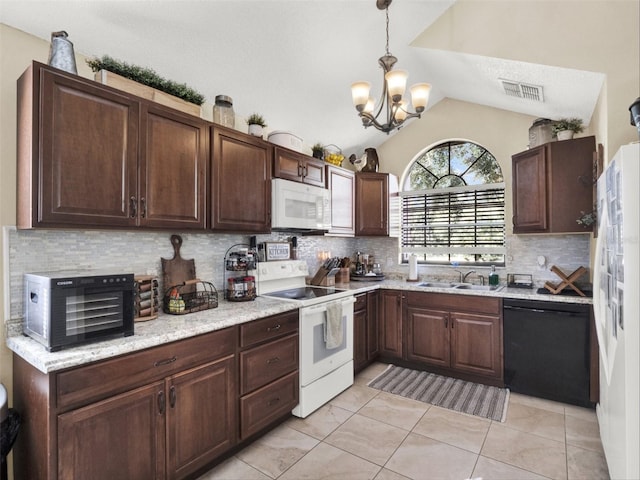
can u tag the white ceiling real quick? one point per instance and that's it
(293, 61)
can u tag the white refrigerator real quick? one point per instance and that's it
(616, 309)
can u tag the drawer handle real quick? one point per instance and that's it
(273, 401)
(273, 360)
(134, 206)
(161, 402)
(166, 361)
(272, 329)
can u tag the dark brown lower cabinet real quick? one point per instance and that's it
(456, 335)
(365, 330)
(201, 419)
(167, 412)
(268, 371)
(390, 324)
(92, 437)
(190, 409)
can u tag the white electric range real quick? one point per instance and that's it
(324, 372)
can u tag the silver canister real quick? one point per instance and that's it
(61, 53)
(223, 113)
(540, 132)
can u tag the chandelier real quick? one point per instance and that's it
(395, 82)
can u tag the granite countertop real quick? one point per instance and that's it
(502, 292)
(166, 328)
(169, 328)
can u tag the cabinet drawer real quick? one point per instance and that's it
(102, 379)
(453, 302)
(258, 331)
(261, 365)
(361, 302)
(260, 408)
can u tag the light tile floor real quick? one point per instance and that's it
(367, 434)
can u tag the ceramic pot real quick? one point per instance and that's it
(255, 130)
(565, 135)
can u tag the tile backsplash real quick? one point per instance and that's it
(140, 253)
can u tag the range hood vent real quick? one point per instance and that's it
(522, 90)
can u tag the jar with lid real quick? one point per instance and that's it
(223, 113)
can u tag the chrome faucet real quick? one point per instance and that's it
(463, 276)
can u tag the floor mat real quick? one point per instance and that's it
(467, 397)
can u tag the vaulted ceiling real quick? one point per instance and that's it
(293, 61)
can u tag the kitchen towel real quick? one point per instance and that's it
(333, 328)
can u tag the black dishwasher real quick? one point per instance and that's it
(546, 350)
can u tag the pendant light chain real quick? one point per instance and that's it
(387, 11)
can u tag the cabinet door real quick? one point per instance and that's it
(121, 437)
(201, 416)
(174, 155)
(476, 345)
(428, 338)
(570, 184)
(530, 191)
(372, 204)
(298, 167)
(341, 185)
(373, 330)
(85, 160)
(359, 340)
(240, 182)
(390, 323)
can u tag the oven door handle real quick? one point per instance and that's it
(323, 307)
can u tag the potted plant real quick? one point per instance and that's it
(256, 123)
(565, 128)
(318, 151)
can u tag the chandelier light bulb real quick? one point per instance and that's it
(360, 94)
(396, 84)
(420, 96)
(371, 103)
(401, 112)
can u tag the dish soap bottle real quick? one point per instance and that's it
(494, 280)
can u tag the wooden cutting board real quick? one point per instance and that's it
(177, 270)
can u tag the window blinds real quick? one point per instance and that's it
(466, 220)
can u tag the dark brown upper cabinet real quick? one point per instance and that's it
(298, 167)
(240, 181)
(92, 156)
(553, 187)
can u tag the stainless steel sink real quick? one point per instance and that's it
(436, 285)
(484, 288)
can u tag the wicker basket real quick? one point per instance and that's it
(333, 155)
(191, 296)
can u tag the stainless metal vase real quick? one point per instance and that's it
(61, 53)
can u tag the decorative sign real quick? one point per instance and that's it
(277, 251)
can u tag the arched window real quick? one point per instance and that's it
(453, 206)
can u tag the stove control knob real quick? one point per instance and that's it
(264, 270)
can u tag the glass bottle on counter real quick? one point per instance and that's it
(494, 280)
(223, 113)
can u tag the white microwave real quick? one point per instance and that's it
(297, 206)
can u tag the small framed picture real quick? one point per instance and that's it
(277, 251)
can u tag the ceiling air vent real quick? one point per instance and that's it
(522, 90)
